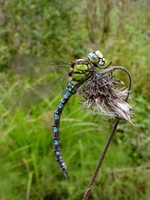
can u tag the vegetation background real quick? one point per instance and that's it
(68, 30)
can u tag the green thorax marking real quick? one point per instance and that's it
(80, 70)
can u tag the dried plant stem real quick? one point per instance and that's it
(87, 193)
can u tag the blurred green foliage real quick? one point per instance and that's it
(68, 30)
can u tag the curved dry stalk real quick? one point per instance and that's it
(87, 193)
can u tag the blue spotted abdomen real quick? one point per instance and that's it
(55, 129)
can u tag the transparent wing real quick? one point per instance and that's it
(34, 66)
(49, 90)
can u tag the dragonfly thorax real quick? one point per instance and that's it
(81, 70)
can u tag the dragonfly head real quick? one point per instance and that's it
(97, 58)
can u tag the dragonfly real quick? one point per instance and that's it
(79, 72)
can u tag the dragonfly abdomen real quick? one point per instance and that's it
(56, 141)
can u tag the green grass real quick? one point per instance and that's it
(29, 170)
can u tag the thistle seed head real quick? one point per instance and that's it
(104, 96)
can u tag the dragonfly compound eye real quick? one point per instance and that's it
(93, 57)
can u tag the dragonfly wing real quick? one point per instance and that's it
(34, 66)
(33, 95)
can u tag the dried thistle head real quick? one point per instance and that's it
(104, 97)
